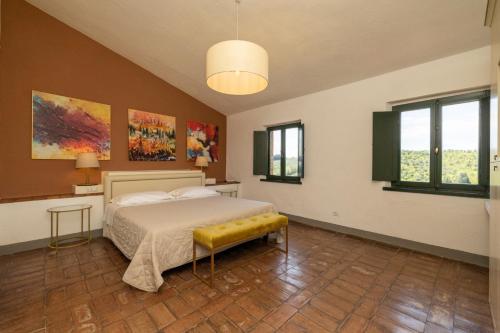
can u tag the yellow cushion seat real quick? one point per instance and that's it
(215, 236)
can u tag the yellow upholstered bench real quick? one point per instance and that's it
(217, 236)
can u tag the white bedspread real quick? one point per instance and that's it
(157, 237)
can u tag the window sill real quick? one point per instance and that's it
(283, 181)
(456, 193)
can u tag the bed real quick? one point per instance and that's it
(157, 236)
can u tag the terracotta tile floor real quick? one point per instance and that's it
(330, 283)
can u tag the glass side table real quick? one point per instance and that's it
(228, 192)
(55, 242)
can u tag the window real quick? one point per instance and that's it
(279, 153)
(415, 155)
(442, 146)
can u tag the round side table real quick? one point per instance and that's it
(228, 192)
(55, 242)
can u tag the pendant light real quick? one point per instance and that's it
(237, 67)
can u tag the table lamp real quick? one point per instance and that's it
(87, 161)
(201, 161)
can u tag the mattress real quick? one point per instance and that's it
(157, 237)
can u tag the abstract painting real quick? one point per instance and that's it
(63, 127)
(202, 140)
(151, 136)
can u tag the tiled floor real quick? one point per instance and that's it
(329, 283)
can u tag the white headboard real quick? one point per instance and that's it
(122, 182)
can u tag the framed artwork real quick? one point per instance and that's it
(151, 136)
(63, 127)
(202, 140)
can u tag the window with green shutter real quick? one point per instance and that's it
(438, 146)
(279, 153)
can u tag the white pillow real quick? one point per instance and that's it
(141, 198)
(193, 192)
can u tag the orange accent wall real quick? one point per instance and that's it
(38, 52)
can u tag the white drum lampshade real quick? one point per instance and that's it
(87, 161)
(237, 67)
(201, 161)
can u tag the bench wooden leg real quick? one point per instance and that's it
(279, 246)
(286, 240)
(194, 257)
(212, 269)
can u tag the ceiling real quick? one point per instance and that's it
(312, 44)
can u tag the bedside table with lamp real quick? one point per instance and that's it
(227, 188)
(84, 161)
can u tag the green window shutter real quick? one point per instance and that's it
(301, 151)
(260, 152)
(384, 159)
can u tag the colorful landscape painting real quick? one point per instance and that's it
(63, 127)
(151, 136)
(202, 140)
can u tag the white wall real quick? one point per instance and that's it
(29, 220)
(338, 140)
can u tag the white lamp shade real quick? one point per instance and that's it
(87, 160)
(201, 161)
(237, 67)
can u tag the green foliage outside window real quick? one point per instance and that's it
(415, 166)
(458, 167)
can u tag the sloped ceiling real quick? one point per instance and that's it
(312, 44)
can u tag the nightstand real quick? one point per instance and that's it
(55, 242)
(226, 188)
